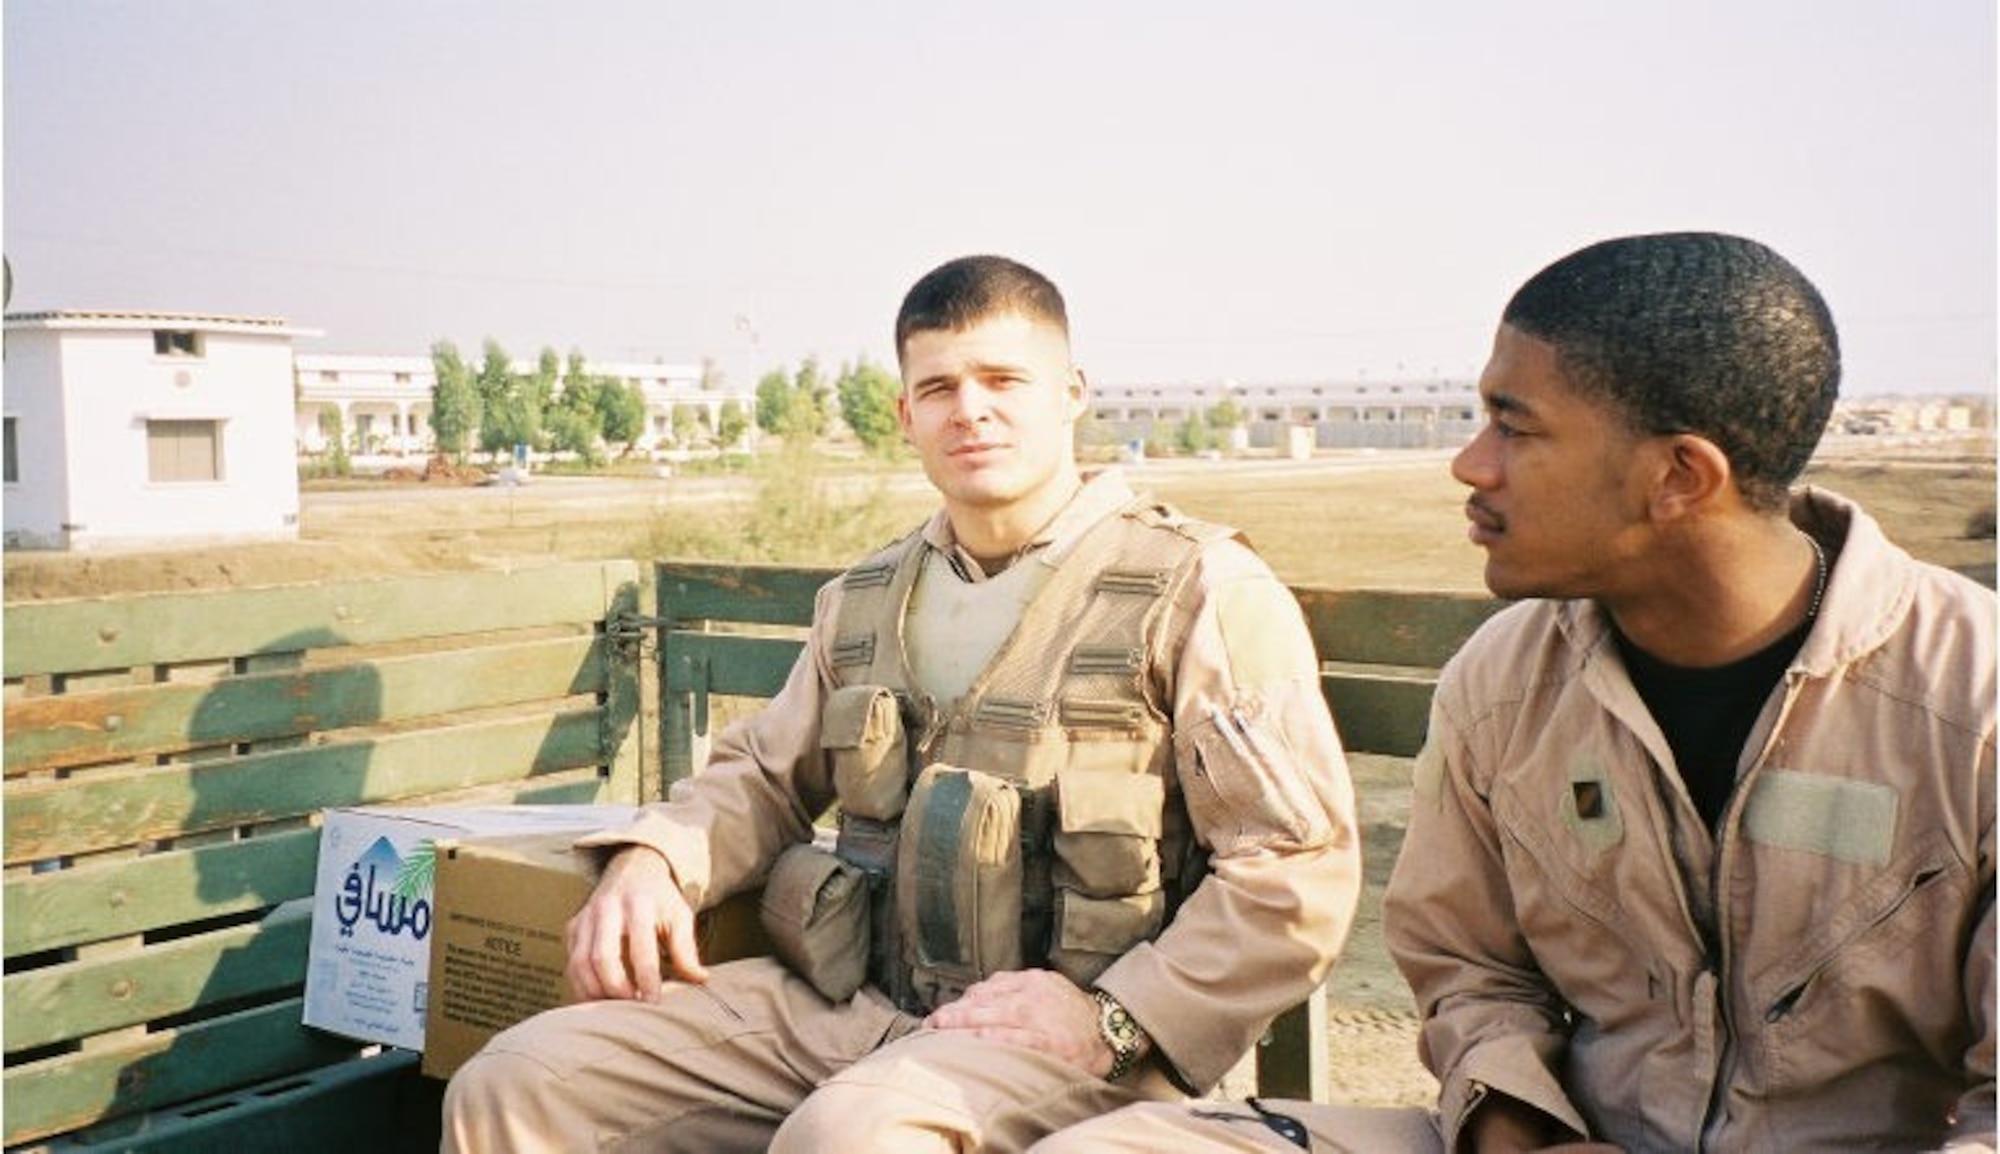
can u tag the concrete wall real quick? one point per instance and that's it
(32, 508)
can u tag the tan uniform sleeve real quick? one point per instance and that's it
(1974, 1126)
(1266, 785)
(1492, 1023)
(765, 783)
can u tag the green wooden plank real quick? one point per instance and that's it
(1379, 709)
(1292, 1058)
(111, 725)
(154, 629)
(145, 1072)
(758, 594)
(622, 676)
(734, 666)
(114, 899)
(379, 1103)
(101, 900)
(57, 818)
(1389, 627)
(97, 995)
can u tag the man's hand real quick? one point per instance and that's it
(1504, 1125)
(1039, 1009)
(616, 939)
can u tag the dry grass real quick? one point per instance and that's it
(1396, 525)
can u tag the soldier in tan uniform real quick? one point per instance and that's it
(1096, 828)
(1701, 856)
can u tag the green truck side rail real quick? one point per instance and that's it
(166, 757)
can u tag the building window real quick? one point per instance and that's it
(183, 451)
(176, 343)
(10, 467)
(402, 378)
(329, 377)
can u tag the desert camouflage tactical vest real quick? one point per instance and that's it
(1073, 715)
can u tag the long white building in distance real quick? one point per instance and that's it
(1403, 414)
(384, 402)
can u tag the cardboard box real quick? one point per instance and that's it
(499, 948)
(374, 913)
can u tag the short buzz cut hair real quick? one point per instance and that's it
(960, 293)
(1695, 332)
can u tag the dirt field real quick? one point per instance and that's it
(1392, 520)
(1347, 522)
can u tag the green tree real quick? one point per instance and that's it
(730, 424)
(799, 406)
(686, 421)
(868, 395)
(455, 402)
(1194, 436)
(578, 397)
(621, 411)
(333, 427)
(513, 404)
(1225, 415)
(812, 400)
(774, 400)
(571, 430)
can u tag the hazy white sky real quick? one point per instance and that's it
(1316, 189)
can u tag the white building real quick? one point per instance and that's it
(1401, 414)
(139, 428)
(384, 403)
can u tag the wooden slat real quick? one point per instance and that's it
(110, 725)
(74, 1090)
(378, 1103)
(758, 594)
(110, 899)
(53, 819)
(1392, 627)
(95, 996)
(1292, 1059)
(621, 675)
(158, 629)
(98, 901)
(1379, 708)
(734, 666)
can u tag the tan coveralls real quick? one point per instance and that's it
(724, 1065)
(1817, 976)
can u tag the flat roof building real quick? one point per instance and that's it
(147, 427)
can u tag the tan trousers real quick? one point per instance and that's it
(1238, 1128)
(754, 1060)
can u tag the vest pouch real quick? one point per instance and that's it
(815, 910)
(1107, 839)
(861, 728)
(1092, 933)
(958, 881)
(870, 846)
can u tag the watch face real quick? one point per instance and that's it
(1119, 1028)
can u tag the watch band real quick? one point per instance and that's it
(1121, 1032)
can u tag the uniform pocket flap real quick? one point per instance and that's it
(857, 715)
(1108, 925)
(815, 911)
(1131, 804)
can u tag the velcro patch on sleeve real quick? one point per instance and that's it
(1263, 632)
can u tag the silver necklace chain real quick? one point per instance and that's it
(1819, 583)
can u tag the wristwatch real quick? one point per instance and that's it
(1127, 1039)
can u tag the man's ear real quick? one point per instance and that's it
(1696, 474)
(1079, 392)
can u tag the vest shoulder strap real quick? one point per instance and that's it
(871, 592)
